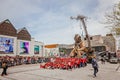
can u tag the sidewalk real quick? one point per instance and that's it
(33, 72)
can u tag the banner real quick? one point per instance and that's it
(36, 49)
(6, 45)
(24, 47)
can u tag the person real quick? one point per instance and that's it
(8, 46)
(94, 65)
(102, 60)
(5, 67)
(79, 47)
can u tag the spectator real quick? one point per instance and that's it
(95, 66)
(4, 66)
(102, 60)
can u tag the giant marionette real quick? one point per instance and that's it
(79, 47)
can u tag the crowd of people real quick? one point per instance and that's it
(19, 60)
(46, 63)
(65, 63)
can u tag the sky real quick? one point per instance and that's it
(48, 21)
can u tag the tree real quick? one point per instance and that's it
(113, 19)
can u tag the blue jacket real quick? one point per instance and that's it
(94, 63)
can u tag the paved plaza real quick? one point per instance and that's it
(33, 72)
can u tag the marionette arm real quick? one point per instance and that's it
(82, 47)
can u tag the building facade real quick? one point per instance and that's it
(18, 42)
(103, 43)
(58, 49)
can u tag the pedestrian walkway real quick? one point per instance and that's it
(33, 72)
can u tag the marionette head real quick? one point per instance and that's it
(77, 38)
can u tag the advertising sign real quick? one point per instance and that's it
(36, 49)
(24, 47)
(6, 45)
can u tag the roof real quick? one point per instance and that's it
(51, 46)
(23, 34)
(21, 29)
(7, 28)
(7, 21)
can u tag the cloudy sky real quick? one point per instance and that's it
(49, 21)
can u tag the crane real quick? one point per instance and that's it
(82, 19)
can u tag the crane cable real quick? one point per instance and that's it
(81, 31)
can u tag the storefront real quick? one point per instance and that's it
(51, 50)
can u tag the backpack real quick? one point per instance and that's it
(94, 63)
(3, 65)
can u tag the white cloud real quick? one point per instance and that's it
(95, 28)
(103, 7)
(58, 36)
(13, 9)
(53, 24)
(94, 24)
